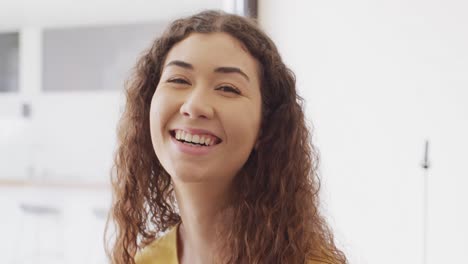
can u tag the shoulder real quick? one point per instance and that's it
(161, 251)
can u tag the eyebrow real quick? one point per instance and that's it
(179, 63)
(232, 70)
(189, 66)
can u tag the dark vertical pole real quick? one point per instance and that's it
(425, 166)
(251, 8)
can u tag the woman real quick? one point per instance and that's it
(215, 162)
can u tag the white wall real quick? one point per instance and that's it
(379, 78)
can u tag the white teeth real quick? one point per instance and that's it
(187, 137)
(199, 139)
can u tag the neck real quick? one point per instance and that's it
(201, 206)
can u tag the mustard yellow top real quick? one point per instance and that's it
(164, 251)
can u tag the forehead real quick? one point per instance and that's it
(209, 50)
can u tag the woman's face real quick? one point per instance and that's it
(209, 92)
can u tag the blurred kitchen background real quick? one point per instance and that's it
(386, 89)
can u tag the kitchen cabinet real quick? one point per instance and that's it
(59, 123)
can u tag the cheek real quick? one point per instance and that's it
(243, 126)
(155, 115)
(158, 120)
(160, 109)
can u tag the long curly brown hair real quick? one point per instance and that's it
(276, 215)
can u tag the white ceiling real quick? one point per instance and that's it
(17, 14)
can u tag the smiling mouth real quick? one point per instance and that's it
(195, 140)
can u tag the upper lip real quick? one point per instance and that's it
(197, 131)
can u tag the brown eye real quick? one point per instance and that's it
(178, 81)
(229, 89)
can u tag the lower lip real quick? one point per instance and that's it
(192, 150)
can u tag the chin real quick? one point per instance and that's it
(190, 176)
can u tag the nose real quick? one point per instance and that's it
(197, 105)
